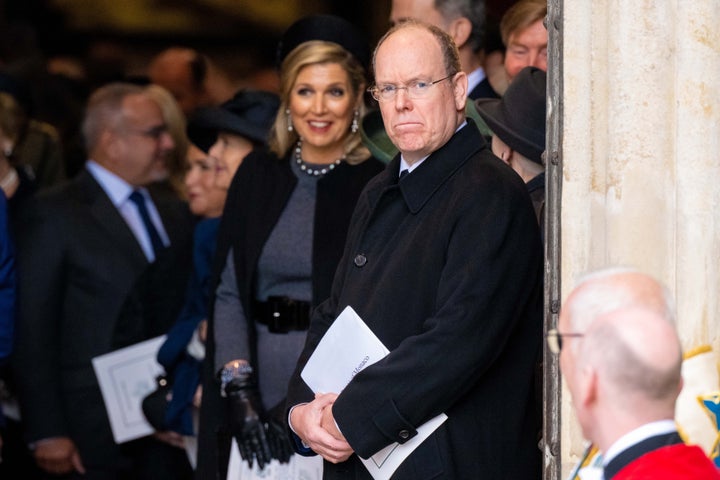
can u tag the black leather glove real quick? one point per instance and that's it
(280, 443)
(247, 422)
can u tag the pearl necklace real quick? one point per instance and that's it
(313, 171)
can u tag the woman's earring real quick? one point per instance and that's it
(354, 127)
(8, 151)
(289, 120)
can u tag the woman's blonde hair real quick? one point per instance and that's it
(176, 125)
(316, 52)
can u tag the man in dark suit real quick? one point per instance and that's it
(88, 246)
(465, 22)
(622, 363)
(443, 262)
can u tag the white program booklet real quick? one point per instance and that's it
(346, 349)
(126, 376)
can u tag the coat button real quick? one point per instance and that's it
(404, 434)
(360, 260)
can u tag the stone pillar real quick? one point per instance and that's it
(641, 155)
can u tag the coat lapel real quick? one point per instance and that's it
(108, 218)
(427, 179)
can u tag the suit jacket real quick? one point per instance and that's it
(483, 90)
(79, 266)
(258, 194)
(445, 267)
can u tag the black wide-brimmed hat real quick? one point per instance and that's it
(518, 118)
(328, 28)
(250, 114)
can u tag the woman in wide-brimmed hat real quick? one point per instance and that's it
(219, 139)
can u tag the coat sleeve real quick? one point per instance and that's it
(231, 332)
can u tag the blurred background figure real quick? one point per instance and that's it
(518, 124)
(36, 149)
(90, 246)
(17, 188)
(172, 172)
(245, 119)
(464, 21)
(190, 77)
(524, 36)
(7, 326)
(16, 182)
(281, 237)
(240, 125)
(621, 358)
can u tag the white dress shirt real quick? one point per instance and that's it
(118, 190)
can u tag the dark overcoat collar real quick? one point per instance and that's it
(419, 186)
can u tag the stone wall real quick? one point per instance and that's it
(641, 155)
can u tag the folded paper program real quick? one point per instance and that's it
(347, 348)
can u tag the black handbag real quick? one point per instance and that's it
(155, 403)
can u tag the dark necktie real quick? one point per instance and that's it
(139, 200)
(402, 174)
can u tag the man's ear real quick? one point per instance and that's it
(506, 155)
(587, 386)
(460, 30)
(110, 143)
(460, 90)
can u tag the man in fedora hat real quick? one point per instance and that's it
(518, 124)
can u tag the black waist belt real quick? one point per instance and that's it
(282, 314)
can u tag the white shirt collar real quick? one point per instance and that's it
(404, 165)
(638, 435)
(115, 187)
(475, 77)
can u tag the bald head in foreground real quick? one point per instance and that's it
(621, 358)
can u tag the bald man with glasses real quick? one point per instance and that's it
(621, 359)
(443, 262)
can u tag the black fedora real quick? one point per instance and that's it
(328, 28)
(250, 114)
(518, 118)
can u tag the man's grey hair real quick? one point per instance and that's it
(104, 110)
(473, 10)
